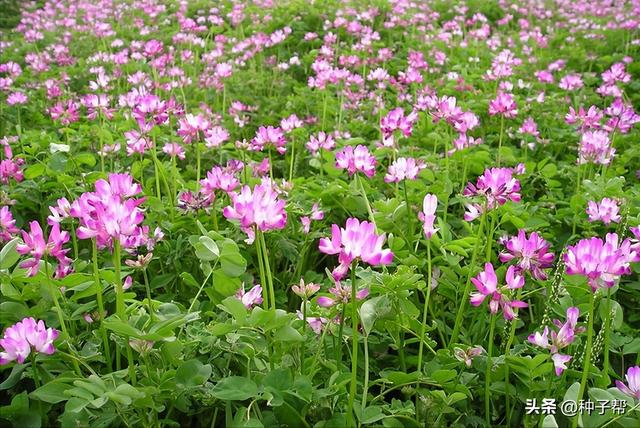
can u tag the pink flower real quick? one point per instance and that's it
(531, 254)
(395, 120)
(111, 213)
(565, 336)
(633, 381)
(305, 291)
(595, 147)
(487, 285)
(251, 298)
(7, 225)
(65, 113)
(35, 245)
(359, 159)
(174, 150)
(602, 263)
(316, 214)
(504, 105)
(571, 82)
(607, 210)
(468, 355)
(355, 241)
(26, 336)
(260, 208)
(529, 127)
(404, 168)
(585, 120)
(269, 135)
(17, 98)
(290, 123)
(316, 323)
(322, 141)
(497, 185)
(341, 294)
(219, 179)
(428, 215)
(192, 127)
(635, 242)
(215, 136)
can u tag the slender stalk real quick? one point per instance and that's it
(426, 307)
(156, 172)
(214, 214)
(36, 378)
(272, 292)
(197, 146)
(293, 158)
(120, 309)
(365, 386)
(587, 356)
(490, 238)
(487, 380)
(500, 140)
(354, 347)
(103, 331)
(607, 327)
(56, 303)
(409, 214)
(263, 279)
(148, 289)
(340, 336)
(467, 287)
(512, 332)
(366, 199)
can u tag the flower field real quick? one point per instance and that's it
(358, 213)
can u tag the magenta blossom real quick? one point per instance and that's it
(595, 147)
(633, 383)
(26, 336)
(504, 105)
(487, 285)
(316, 323)
(219, 179)
(531, 254)
(252, 297)
(358, 159)
(428, 215)
(7, 225)
(341, 294)
(564, 337)
(404, 168)
(269, 135)
(260, 208)
(497, 185)
(355, 241)
(35, 245)
(601, 262)
(607, 211)
(322, 141)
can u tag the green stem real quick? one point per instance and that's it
(292, 160)
(365, 387)
(36, 378)
(354, 347)
(587, 356)
(467, 287)
(156, 172)
(214, 213)
(120, 309)
(490, 238)
(148, 289)
(512, 332)
(426, 307)
(409, 214)
(263, 279)
(340, 336)
(607, 327)
(272, 292)
(197, 146)
(103, 331)
(487, 380)
(53, 291)
(366, 200)
(500, 140)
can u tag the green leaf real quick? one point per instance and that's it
(549, 421)
(34, 171)
(235, 388)
(288, 334)
(14, 377)
(233, 264)
(8, 255)
(52, 392)
(372, 310)
(192, 373)
(371, 414)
